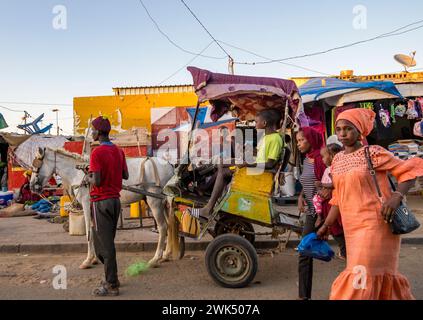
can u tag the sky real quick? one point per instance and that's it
(111, 43)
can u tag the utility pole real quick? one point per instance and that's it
(231, 65)
(57, 120)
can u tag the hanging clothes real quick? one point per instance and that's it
(366, 105)
(411, 110)
(384, 118)
(383, 123)
(392, 112)
(418, 109)
(420, 100)
(400, 110)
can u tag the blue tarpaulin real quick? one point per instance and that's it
(320, 86)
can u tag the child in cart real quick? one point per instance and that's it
(321, 199)
(268, 155)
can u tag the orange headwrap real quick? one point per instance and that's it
(362, 119)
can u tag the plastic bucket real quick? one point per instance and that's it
(76, 224)
(135, 210)
(288, 189)
(64, 201)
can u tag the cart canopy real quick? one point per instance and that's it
(245, 96)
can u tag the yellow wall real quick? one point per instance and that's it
(135, 109)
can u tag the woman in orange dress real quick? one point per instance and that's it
(373, 251)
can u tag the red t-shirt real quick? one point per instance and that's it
(110, 161)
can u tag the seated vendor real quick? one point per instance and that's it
(25, 193)
(268, 154)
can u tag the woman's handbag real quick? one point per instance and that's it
(403, 220)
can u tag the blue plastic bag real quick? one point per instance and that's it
(40, 204)
(312, 247)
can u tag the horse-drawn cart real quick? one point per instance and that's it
(231, 258)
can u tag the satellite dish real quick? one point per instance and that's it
(408, 61)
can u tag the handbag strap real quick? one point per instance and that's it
(372, 172)
(392, 184)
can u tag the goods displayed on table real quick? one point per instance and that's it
(406, 149)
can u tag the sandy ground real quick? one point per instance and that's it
(31, 277)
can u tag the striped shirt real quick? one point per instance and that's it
(308, 180)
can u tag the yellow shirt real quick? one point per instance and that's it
(269, 147)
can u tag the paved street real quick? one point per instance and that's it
(31, 276)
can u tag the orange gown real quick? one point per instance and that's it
(372, 249)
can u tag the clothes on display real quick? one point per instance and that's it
(418, 129)
(400, 110)
(385, 118)
(411, 110)
(420, 101)
(407, 149)
(392, 112)
(366, 105)
(383, 122)
(418, 108)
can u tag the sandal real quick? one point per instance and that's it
(195, 212)
(105, 291)
(105, 283)
(340, 256)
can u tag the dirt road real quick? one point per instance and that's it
(31, 277)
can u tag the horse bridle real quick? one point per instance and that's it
(37, 164)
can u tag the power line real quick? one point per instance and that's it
(405, 27)
(400, 33)
(187, 64)
(13, 110)
(173, 42)
(284, 63)
(385, 35)
(211, 36)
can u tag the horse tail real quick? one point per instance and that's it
(173, 234)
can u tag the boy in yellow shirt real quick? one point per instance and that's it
(268, 155)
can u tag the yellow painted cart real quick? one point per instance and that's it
(231, 258)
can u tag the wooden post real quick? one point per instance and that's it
(86, 135)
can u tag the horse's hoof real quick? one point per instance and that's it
(165, 259)
(85, 265)
(153, 263)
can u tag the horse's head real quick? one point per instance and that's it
(43, 169)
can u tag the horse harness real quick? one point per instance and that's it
(38, 163)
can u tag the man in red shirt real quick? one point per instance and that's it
(107, 169)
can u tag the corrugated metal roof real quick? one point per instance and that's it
(397, 78)
(125, 91)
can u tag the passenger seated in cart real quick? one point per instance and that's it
(225, 154)
(268, 155)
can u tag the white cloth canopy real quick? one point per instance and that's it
(27, 150)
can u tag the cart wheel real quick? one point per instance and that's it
(236, 226)
(231, 261)
(181, 247)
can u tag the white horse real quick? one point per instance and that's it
(64, 164)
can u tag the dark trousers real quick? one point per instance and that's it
(305, 264)
(340, 240)
(105, 219)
